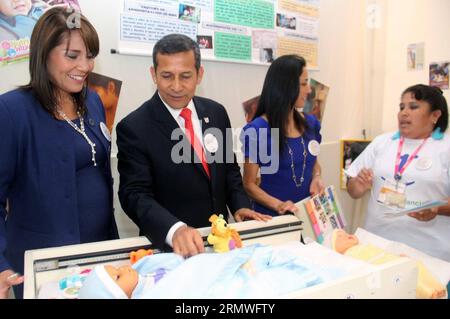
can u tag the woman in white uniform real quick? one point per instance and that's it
(406, 169)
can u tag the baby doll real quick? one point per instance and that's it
(110, 282)
(428, 287)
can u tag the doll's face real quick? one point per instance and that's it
(125, 277)
(344, 241)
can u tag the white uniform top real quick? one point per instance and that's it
(427, 178)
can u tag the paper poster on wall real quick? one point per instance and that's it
(17, 20)
(250, 31)
(109, 91)
(415, 56)
(317, 99)
(439, 74)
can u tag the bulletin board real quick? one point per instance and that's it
(248, 31)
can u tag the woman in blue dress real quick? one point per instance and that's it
(54, 151)
(281, 142)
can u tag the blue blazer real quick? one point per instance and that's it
(38, 177)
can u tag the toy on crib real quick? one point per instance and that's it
(71, 284)
(223, 237)
(138, 254)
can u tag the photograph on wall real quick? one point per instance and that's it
(415, 56)
(317, 99)
(189, 13)
(109, 91)
(267, 55)
(17, 20)
(286, 21)
(205, 41)
(439, 75)
(350, 150)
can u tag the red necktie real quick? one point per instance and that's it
(186, 115)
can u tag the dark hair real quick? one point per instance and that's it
(280, 92)
(433, 96)
(50, 30)
(176, 43)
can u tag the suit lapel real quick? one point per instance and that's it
(167, 125)
(204, 116)
(165, 120)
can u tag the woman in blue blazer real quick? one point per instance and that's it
(54, 149)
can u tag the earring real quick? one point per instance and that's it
(437, 134)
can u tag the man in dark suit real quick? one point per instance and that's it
(168, 187)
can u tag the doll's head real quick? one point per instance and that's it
(106, 282)
(341, 241)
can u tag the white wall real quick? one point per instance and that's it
(412, 21)
(341, 63)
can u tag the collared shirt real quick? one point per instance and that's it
(196, 123)
(198, 133)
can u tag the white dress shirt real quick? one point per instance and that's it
(196, 123)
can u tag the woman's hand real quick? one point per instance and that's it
(8, 278)
(247, 214)
(317, 186)
(365, 178)
(357, 186)
(287, 206)
(425, 215)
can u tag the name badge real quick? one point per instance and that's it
(314, 147)
(105, 131)
(424, 163)
(392, 194)
(211, 143)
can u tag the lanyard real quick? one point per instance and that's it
(398, 173)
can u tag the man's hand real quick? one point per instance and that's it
(425, 215)
(246, 214)
(8, 278)
(187, 242)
